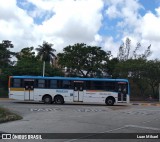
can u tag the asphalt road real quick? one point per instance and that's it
(78, 118)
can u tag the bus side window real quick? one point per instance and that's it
(16, 82)
(110, 86)
(66, 84)
(53, 84)
(41, 83)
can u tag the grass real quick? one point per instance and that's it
(6, 115)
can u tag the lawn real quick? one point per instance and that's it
(6, 115)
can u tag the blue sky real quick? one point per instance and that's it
(105, 23)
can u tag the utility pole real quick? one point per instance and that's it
(43, 68)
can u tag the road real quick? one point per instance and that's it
(78, 118)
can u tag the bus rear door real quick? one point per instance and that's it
(78, 91)
(28, 89)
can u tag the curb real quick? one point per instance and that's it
(146, 104)
(5, 99)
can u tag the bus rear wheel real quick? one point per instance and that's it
(47, 99)
(59, 100)
(110, 101)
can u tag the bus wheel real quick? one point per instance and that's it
(47, 99)
(59, 100)
(110, 101)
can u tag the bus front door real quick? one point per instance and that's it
(29, 90)
(78, 91)
(122, 91)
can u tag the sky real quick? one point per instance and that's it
(104, 23)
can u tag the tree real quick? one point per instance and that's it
(126, 53)
(5, 53)
(111, 65)
(83, 60)
(134, 70)
(26, 53)
(46, 52)
(124, 50)
(29, 64)
(152, 74)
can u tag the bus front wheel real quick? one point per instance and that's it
(47, 99)
(110, 101)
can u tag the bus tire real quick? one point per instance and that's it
(58, 99)
(47, 99)
(110, 101)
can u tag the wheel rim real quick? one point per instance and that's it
(110, 101)
(58, 100)
(47, 99)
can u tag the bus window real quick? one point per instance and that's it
(122, 87)
(94, 85)
(16, 83)
(53, 84)
(98, 85)
(66, 84)
(41, 83)
(110, 86)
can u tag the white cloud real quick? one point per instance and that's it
(72, 21)
(110, 45)
(15, 25)
(150, 27)
(67, 22)
(158, 11)
(144, 29)
(149, 31)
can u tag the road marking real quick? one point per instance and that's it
(90, 110)
(108, 131)
(143, 127)
(60, 109)
(148, 110)
(45, 109)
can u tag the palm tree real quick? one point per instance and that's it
(45, 53)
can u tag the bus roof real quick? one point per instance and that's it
(70, 78)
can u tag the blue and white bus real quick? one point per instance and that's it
(69, 89)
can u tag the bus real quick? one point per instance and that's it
(69, 89)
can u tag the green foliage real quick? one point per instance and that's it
(26, 53)
(45, 52)
(152, 74)
(145, 74)
(84, 60)
(5, 53)
(111, 65)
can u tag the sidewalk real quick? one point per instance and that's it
(6, 99)
(145, 103)
(141, 103)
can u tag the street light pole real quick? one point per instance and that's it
(43, 68)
